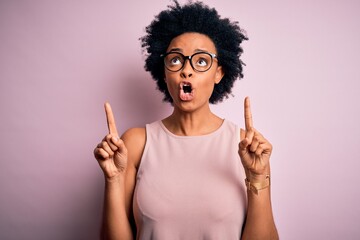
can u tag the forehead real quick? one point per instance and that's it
(191, 42)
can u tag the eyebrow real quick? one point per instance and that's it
(180, 50)
(175, 50)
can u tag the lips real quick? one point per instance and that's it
(186, 91)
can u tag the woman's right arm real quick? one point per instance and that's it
(119, 158)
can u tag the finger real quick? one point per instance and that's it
(110, 120)
(119, 144)
(263, 149)
(246, 138)
(267, 147)
(106, 147)
(110, 139)
(122, 150)
(243, 148)
(254, 144)
(249, 135)
(247, 114)
(260, 149)
(244, 143)
(100, 154)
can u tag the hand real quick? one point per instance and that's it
(254, 149)
(111, 153)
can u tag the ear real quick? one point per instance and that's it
(219, 74)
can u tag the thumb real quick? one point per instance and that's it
(243, 142)
(242, 134)
(119, 143)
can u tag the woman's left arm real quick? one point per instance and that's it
(255, 151)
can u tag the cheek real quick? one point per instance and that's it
(170, 84)
(206, 88)
(209, 81)
(210, 89)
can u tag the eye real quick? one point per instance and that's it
(202, 62)
(175, 60)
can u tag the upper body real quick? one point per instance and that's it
(190, 187)
(190, 84)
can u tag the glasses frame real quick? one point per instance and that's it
(212, 55)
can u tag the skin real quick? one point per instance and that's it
(193, 117)
(119, 158)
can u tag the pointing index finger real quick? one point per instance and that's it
(247, 114)
(110, 120)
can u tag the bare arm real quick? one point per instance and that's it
(255, 151)
(118, 159)
(116, 224)
(259, 218)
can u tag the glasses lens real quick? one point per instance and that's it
(174, 61)
(201, 61)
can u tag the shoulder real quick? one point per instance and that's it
(134, 135)
(134, 139)
(231, 126)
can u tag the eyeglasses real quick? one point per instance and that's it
(200, 61)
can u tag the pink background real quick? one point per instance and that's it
(60, 60)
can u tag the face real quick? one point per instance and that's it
(191, 89)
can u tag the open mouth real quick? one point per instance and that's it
(187, 88)
(186, 91)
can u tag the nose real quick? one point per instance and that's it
(187, 70)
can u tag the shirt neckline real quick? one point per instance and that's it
(215, 132)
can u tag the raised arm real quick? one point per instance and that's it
(118, 164)
(255, 151)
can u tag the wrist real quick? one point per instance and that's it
(257, 183)
(115, 179)
(257, 177)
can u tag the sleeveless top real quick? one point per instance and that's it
(190, 187)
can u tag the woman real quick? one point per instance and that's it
(183, 177)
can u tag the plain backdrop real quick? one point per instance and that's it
(61, 60)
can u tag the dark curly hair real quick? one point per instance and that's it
(194, 17)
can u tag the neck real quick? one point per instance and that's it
(195, 123)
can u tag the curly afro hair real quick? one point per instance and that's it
(195, 17)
